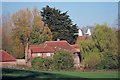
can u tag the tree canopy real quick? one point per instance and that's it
(102, 49)
(28, 25)
(59, 23)
(23, 27)
(63, 60)
(105, 38)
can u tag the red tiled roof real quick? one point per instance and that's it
(52, 46)
(81, 38)
(40, 48)
(76, 47)
(60, 45)
(5, 56)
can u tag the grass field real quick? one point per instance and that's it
(17, 74)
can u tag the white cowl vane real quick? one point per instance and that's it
(88, 32)
(80, 32)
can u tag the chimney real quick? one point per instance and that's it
(58, 39)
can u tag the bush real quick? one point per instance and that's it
(91, 60)
(48, 63)
(63, 60)
(109, 61)
(37, 63)
(42, 63)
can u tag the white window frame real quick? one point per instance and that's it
(39, 54)
(48, 54)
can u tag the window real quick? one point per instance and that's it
(48, 54)
(39, 54)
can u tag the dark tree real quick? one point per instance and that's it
(59, 23)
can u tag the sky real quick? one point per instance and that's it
(82, 13)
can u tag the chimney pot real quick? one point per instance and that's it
(58, 39)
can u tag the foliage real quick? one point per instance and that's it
(59, 23)
(22, 27)
(109, 61)
(95, 51)
(48, 63)
(106, 41)
(28, 25)
(118, 36)
(90, 54)
(6, 33)
(40, 33)
(37, 63)
(21, 21)
(91, 60)
(87, 46)
(42, 63)
(105, 38)
(37, 36)
(17, 49)
(63, 60)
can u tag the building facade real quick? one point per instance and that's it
(6, 59)
(48, 49)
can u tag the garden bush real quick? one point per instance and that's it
(91, 60)
(109, 61)
(48, 63)
(42, 63)
(37, 63)
(63, 60)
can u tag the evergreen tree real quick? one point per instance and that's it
(59, 23)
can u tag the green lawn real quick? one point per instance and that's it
(16, 74)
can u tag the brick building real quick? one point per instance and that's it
(48, 48)
(6, 59)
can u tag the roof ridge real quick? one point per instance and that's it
(57, 41)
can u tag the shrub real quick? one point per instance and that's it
(37, 63)
(48, 63)
(109, 61)
(91, 60)
(63, 60)
(42, 63)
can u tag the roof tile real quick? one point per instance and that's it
(5, 56)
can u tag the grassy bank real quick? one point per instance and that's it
(17, 74)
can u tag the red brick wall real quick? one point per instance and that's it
(9, 63)
(21, 61)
